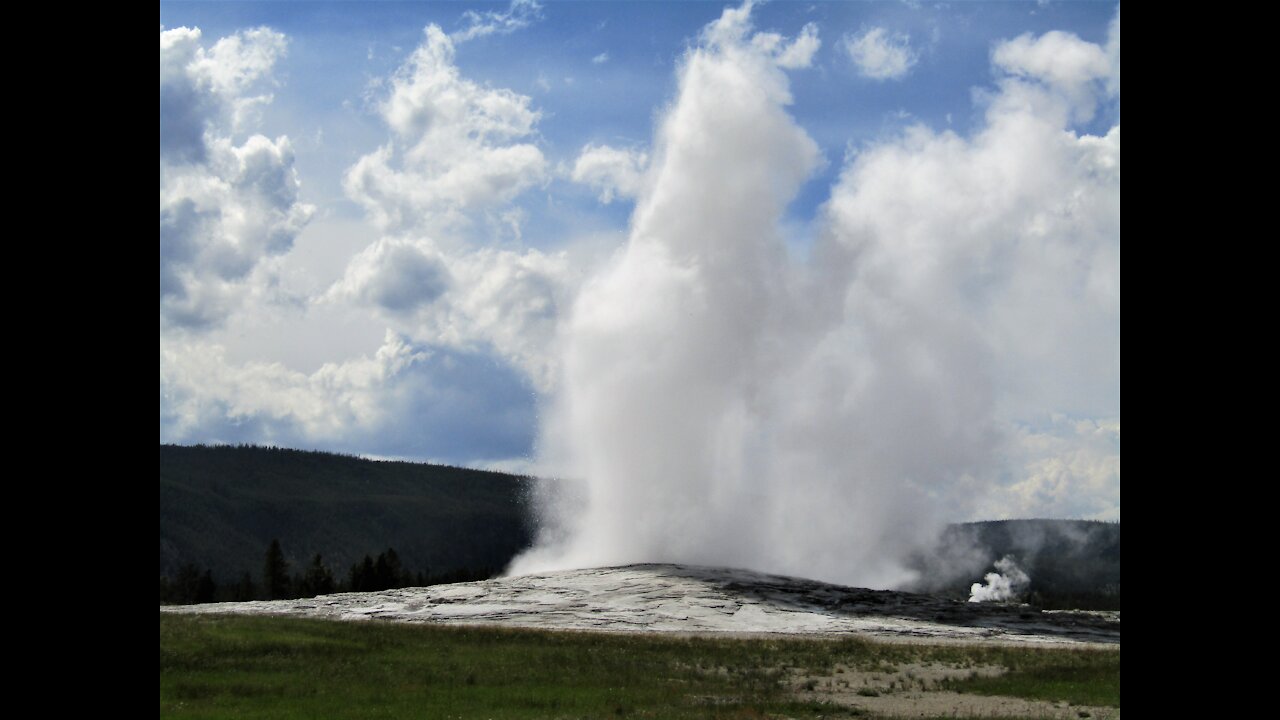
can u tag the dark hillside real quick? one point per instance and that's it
(1071, 563)
(220, 507)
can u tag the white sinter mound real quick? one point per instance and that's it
(680, 598)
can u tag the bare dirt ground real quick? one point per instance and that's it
(914, 691)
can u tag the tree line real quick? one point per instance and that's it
(194, 584)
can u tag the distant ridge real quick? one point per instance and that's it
(1072, 563)
(220, 507)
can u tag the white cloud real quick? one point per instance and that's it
(224, 206)
(520, 14)
(1070, 66)
(799, 54)
(457, 147)
(238, 61)
(454, 377)
(1071, 469)
(612, 171)
(732, 33)
(881, 55)
(406, 400)
(485, 300)
(509, 303)
(600, 59)
(199, 86)
(396, 275)
(458, 151)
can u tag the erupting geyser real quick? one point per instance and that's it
(725, 403)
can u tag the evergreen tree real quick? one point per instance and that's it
(317, 580)
(186, 584)
(245, 590)
(363, 577)
(387, 570)
(205, 588)
(275, 573)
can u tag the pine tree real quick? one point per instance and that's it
(387, 570)
(275, 573)
(186, 584)
(245, 590)
(205, 588)
(363, 577)
(318, 580)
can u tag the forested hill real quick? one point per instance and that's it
(1071, 563)
(220, 507)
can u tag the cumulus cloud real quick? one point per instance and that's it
(600, 59)
(225, 205)
(881, 55)
(722, 404)
(511, 303)
(458, 151)
(1062, 61)
(791, 55)
(614, 172)
(481, 301)
(733, 30)
(457, 147)
(1068, 468)
(520, 14)
(397, 275)
(406, 400)
(200, 86)
(456, 374)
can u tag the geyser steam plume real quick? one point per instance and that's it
(1006, 583)
(722, 403)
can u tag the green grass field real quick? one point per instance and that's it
(258, 667)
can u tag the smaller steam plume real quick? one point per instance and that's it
(1006, 584)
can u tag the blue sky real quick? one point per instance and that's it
(337, 49)
(373, 236)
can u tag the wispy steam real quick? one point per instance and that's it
(721, 404)
(1006, 584)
